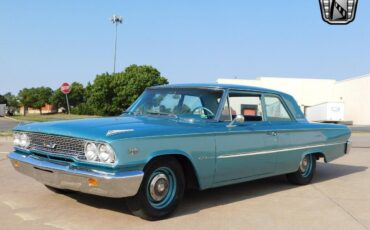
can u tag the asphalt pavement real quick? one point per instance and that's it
(338, 198)
(7, 124)
(360, 128)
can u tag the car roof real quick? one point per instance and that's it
(219, 86)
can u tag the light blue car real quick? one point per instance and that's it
(175, 137)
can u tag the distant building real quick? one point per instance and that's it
(46, 109)
(353, 92)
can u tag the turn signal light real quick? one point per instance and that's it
(16, 164)
(92, 182)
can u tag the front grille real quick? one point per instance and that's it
(66, 146)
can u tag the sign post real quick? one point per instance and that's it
(66, 89)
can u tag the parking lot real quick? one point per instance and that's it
(338, 198)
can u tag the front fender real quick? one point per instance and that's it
(199, 150)
(168, 152)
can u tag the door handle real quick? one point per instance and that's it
(272, 133)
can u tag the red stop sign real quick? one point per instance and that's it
(65, 88)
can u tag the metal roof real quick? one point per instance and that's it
(220, 86)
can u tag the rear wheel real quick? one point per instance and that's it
(161, 190)
(305, 172)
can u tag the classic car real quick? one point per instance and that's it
(175, 137)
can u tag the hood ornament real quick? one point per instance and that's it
(118, 131)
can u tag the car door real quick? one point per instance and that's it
(286, 128)
(244, 150)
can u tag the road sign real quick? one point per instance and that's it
(65, 88)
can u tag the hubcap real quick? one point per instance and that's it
(158, 187)
(161, 187)
(304, 164)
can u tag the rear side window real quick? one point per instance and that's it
(275, 110)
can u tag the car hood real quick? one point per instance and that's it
(122, 127)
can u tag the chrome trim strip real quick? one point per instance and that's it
(276, 151)
(66, 176)
(246, 131)
(118, 131)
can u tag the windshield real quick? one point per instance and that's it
(192, 103)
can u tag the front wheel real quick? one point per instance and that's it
(306, 171)
(161, 190)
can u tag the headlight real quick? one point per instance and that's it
(91, 151)
(21, 140)
(106, 154)
(98, 152)
(17, 139)
(24, 141)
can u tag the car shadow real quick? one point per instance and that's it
(194, 201)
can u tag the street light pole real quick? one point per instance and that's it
(116, 20)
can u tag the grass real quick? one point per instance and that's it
(6, 133)
(50, 117)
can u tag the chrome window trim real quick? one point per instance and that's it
(223, 100)
(282, 101)
(217, 114)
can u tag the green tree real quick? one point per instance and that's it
(13, 103)
(100, 95)
(43, 96)
(3, 100)
(112, 94)
(26, 98)
(132, 82)
(75, 97)
(35, 97)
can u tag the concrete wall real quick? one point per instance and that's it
(307, 92)
(46, 109)
(354, 93)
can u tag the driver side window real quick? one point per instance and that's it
(248, 105)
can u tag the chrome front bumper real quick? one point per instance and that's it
(348, 147)
(65, 176)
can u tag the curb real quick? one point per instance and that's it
(12, 119)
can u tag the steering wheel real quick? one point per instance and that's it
(204, 108)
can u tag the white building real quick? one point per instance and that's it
(353, 92)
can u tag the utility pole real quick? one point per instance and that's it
(116, 20)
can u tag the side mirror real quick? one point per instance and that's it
(237, 120)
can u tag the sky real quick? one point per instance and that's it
(48, 42)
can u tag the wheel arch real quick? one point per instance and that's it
(318, 153)
(185, 160)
